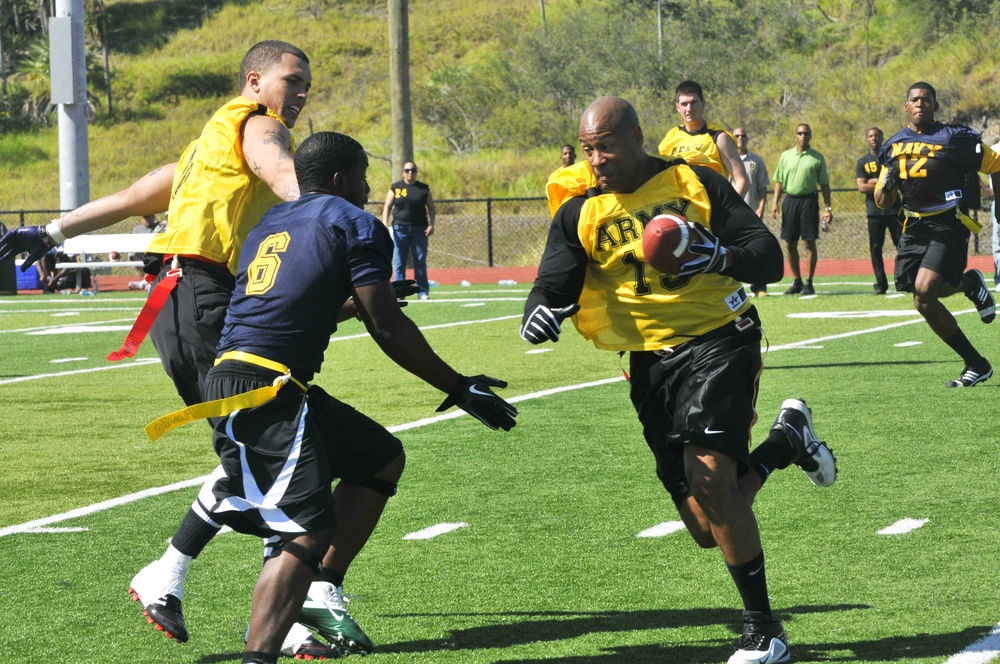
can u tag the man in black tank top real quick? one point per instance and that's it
(412, 224)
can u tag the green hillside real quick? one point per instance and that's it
(494, 96)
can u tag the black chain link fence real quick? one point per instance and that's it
(511, 232)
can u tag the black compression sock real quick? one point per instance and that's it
(961, 345)
(751, 582)
(193, 534)
(328, 575)
(773, 454)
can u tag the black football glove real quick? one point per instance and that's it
(711, 253)
(473, 395)
(405, 288)
(402, 289)
(890, 180)
(544, 324)
(32, 239)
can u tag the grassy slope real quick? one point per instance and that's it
(830, 86)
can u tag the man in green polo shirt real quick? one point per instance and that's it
(800, 170)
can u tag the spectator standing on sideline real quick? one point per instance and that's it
(214, 197)
(413, 215)
(567, 155)
(926, 164)
(879, 220)
(293, 443)
(757, 184)
(800, 170)
(147, 224)
(693, 339)
(697, 135)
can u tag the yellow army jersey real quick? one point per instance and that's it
(679, 143)
(626, 304)
(216, 198)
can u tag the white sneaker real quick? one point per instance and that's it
(159, 587)
(813, 456)
(761, 643)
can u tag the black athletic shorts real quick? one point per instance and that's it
(800, 217)
(279, 459)
(187, 330)
(704, 392)
(939, 243)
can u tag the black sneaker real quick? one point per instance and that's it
(795, 289)
(880, 289)
(807, 288)
(763, 642)
(972, 376)
(981, 296)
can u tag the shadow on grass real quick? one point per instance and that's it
(545, 626)
(140, 27)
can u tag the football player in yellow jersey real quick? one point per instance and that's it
(697, 135)
(693, 338)
(240, 166)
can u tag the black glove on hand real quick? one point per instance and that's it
(32, 239)
(473, 395)
(544, 324)
(405, 288)
(711, 253)
(891, 179)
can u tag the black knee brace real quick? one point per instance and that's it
(313, 561)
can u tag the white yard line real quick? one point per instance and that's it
(431, 532)
(904, 526)
(983, 651)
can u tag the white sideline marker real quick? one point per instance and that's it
(68, 359)
(983, 651)
(433, 531)
(663, 529)
(907, 344)
(903, 526)
(58, 530)
(66, 313)
(537, 351)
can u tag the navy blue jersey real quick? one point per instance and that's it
(296, 271)
(933, 165)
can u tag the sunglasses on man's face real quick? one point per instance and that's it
(409, 170)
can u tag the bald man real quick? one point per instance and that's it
(693, 338)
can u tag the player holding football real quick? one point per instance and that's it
(693, 338)
(925, 164)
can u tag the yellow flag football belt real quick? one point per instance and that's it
(967, 221)
(223, 407)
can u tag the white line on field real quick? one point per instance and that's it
(59, 374)
(80, 329)
(983, 651)
(904, 526)
(67, 359)
(844, 335)
(25, 330)
(58, 530)
(435, 530)
(662, 529)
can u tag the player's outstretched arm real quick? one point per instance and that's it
(732, 156)
(267, 151)
(402, 341)
(148, 195)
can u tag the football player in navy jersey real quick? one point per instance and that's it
(925, 165)
(280, 454)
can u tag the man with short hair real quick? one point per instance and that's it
(800, 170)
(238, 168)
(280, 452)
(696, 135)
(757, 184)
(879, 221)
(925, 165)
(567, 155)
(693, 339)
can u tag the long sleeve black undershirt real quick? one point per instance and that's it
(755, 253)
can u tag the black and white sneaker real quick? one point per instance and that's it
(811, 454)
(972, 376)
(981, 296)
(763, 642)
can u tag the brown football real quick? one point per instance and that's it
(665, 242)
